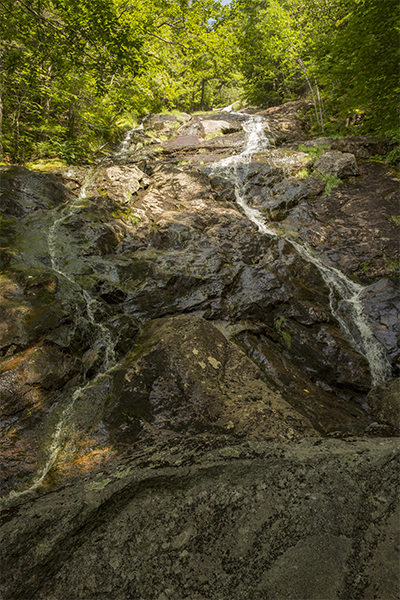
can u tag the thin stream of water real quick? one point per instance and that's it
(104, 339)
(342, 289)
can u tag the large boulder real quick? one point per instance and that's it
(339, 164)
(360, 145)
(217, 127)
(201, 518)
(291, 118)
(186, 377)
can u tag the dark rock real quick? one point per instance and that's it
(22, 191)
(181, 142)
(385, 403)
(201, 518)
(355, 226)
(230, 141)
(287, 194)
(381, 301)
(224, 190)
(361, 146)
(186, 378)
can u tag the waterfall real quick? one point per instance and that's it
(342, 289)
(126, 142)
(103, 339)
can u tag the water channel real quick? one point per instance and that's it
(343, 291)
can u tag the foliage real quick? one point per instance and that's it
(69, 69)
(316, 151)
(346, 52)
(331, 181)
(358, 63)
(76, 74)
(269, 45)
(395, 219)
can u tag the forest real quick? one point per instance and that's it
(76, 74)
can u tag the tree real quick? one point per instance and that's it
(359, 63)
(70, 67)
(347, 51)
(270, 43)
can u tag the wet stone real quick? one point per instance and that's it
(100, 291)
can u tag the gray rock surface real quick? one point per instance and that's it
(204, 520)
(338, 164)
(360, 145)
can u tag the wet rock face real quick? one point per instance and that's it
(153, 334)
(23, 192)
(355, 227)
(381, 302)
(201, 519)
(384, 401)
(186, 378)
(100, 291)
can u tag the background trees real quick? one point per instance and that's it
(69, 69)
(74, 72)
(346, 51)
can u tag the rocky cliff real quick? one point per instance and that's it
(177, 318)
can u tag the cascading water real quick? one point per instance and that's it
(103, 340)
(342, 289)
(124, 147)
(58, 253)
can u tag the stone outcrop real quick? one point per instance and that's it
(148, 243)
(23, 192)
(339, 164)
(200, 518)
(290, 119)
(355, 226)
(385, 403)
(179, 398)
(187, 378)
(360, 145)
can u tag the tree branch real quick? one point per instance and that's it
(167, 41)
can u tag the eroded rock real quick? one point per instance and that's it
(339, 164)
(200, 519)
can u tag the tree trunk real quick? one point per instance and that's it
(1, 102)
(203, 85)
(193, 95)
(1, 122)
(317, 105)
